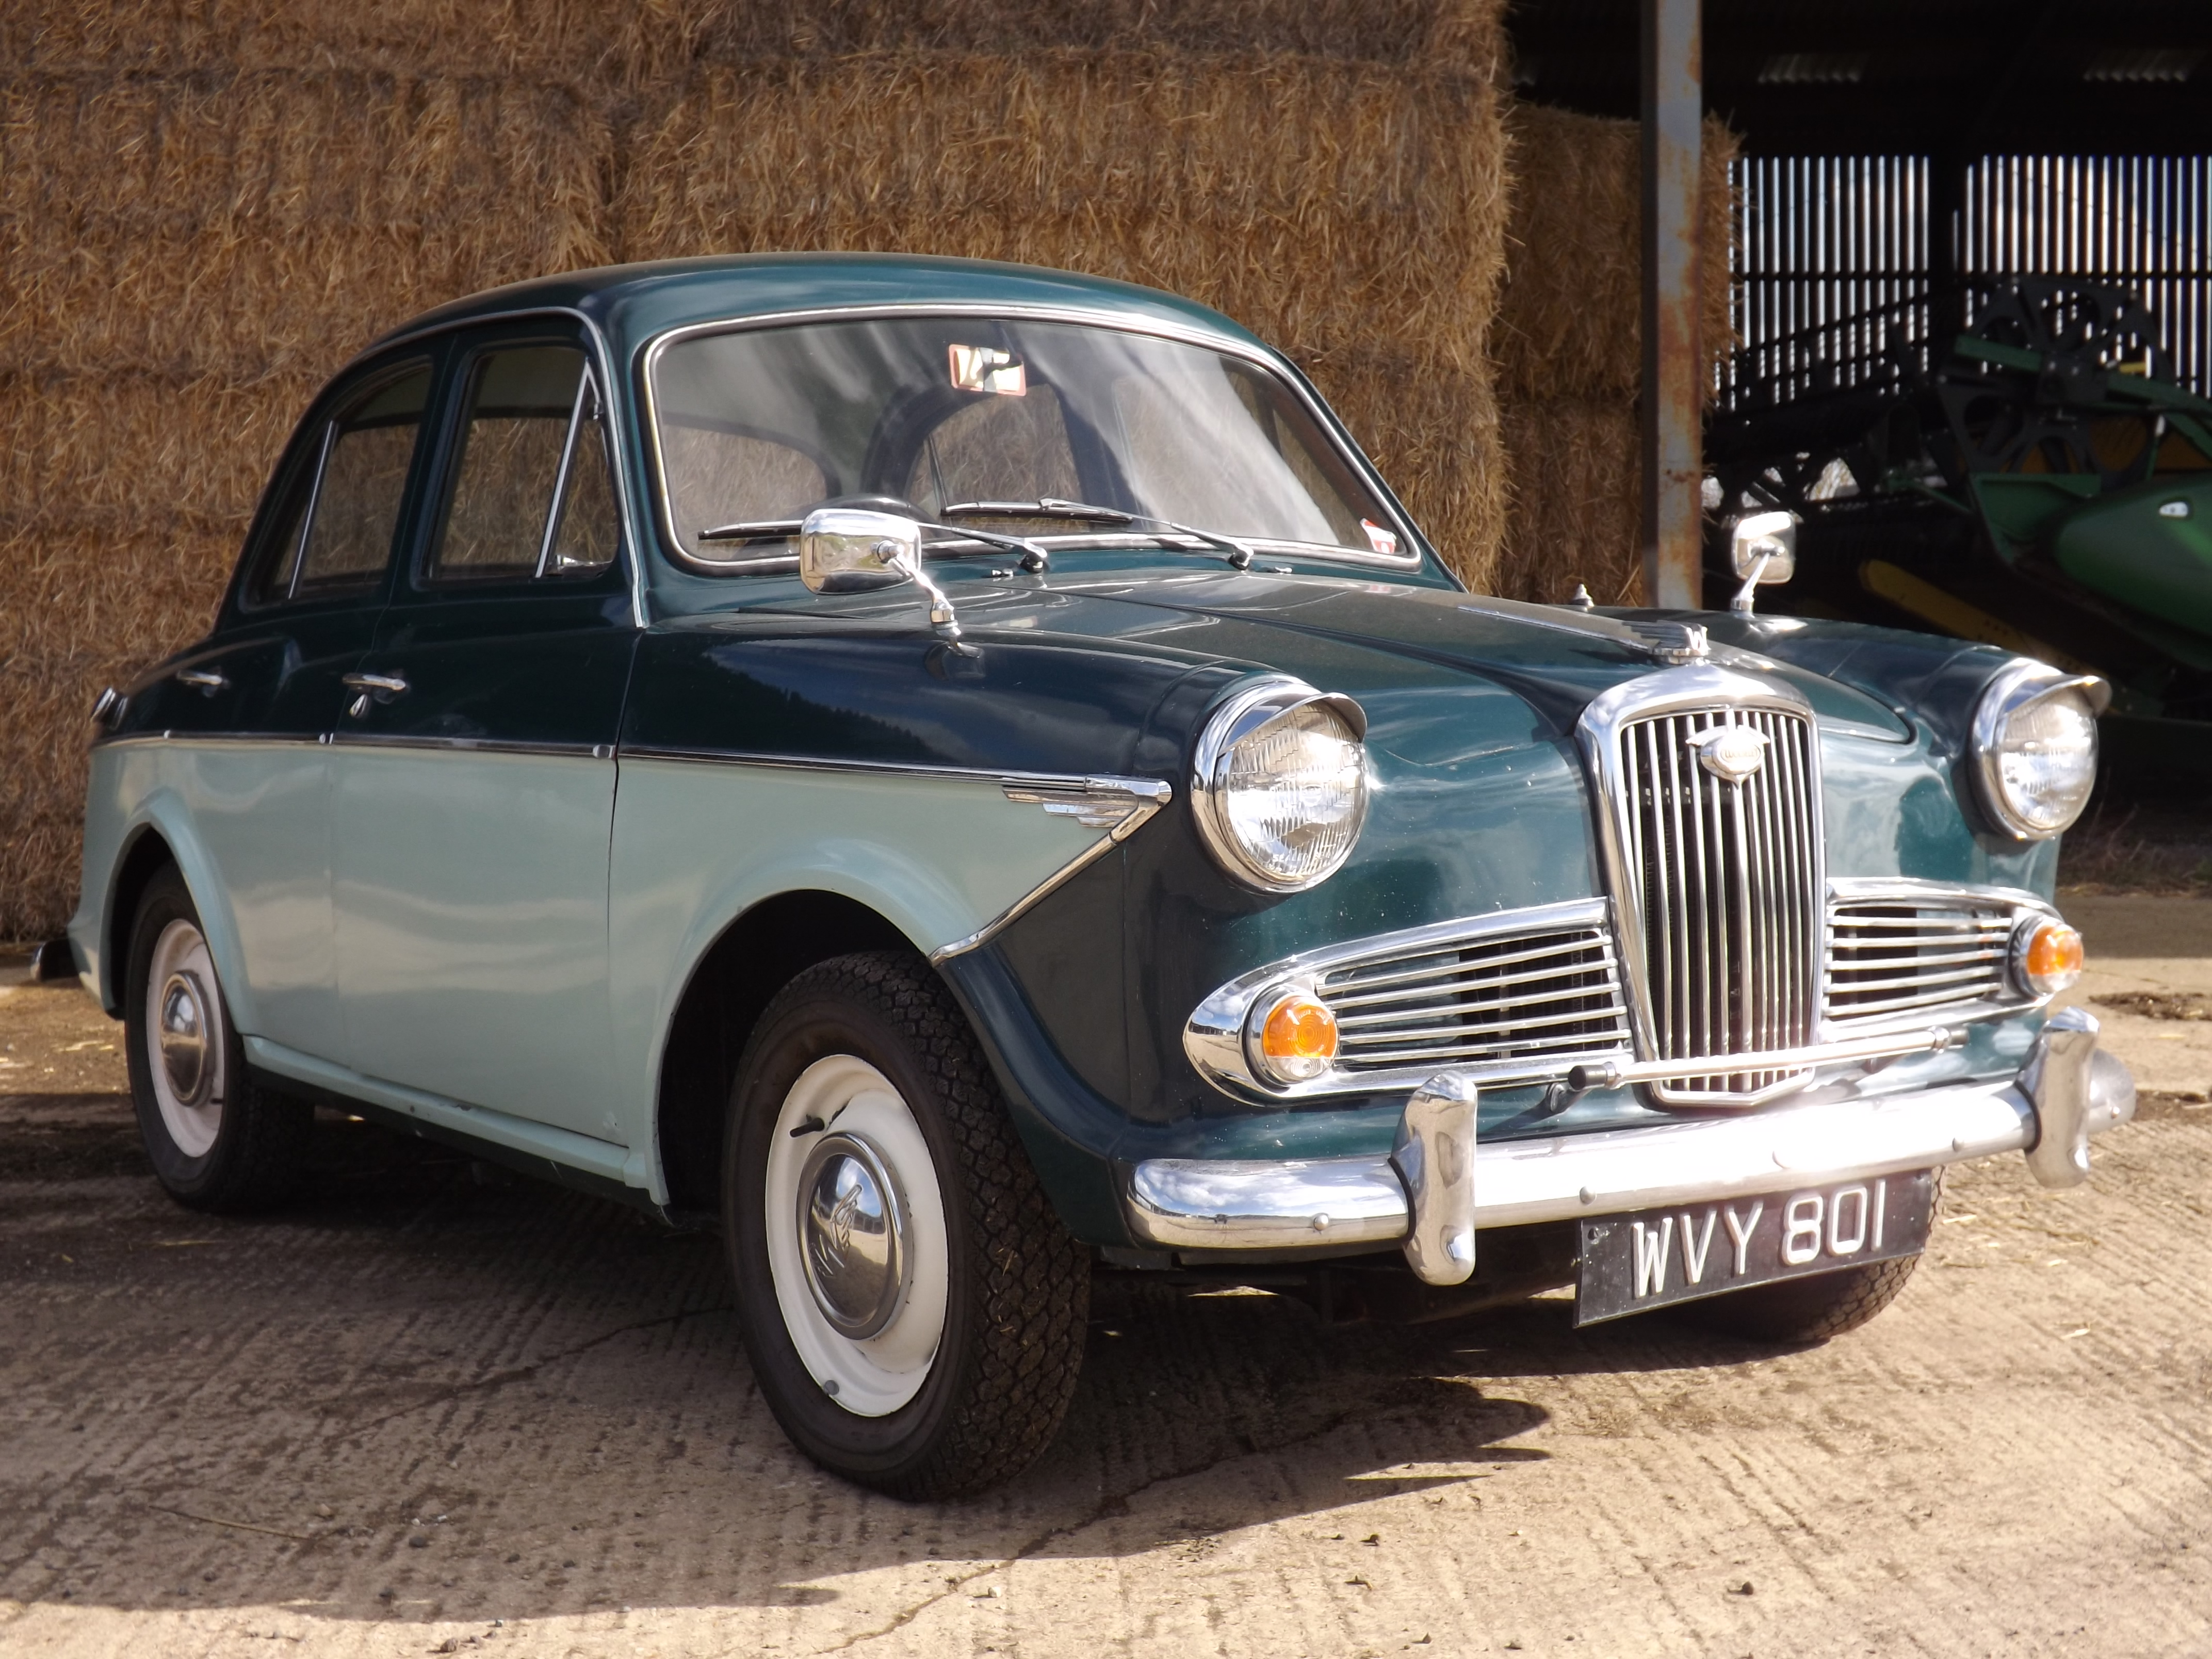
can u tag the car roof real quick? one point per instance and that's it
(637, 302)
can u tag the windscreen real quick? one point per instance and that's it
(942, 415)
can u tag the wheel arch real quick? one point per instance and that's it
(146, 853)
(759, 952)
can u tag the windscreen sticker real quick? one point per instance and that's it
(1382, 540)
(986, 368)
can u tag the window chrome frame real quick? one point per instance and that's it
(599, 355)
(589, 405)
(1159, 328)
(314, 505)
(1689, 689)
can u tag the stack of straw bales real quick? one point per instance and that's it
(1566, 348)
(207, 205)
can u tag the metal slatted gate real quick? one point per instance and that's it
(1835, 255)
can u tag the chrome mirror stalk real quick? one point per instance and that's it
(1435, 1158)
(1762, 548)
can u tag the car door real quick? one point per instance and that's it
(473, 776)
(250, 716)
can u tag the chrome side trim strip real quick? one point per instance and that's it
(215, 740)
(1121, 806)
(473, 745)
(361, 740)
(1057, 784)
(1132, 801)
(1192, 1204)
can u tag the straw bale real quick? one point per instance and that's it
(1567, 347)
(1570, 313)
(259, 222)
(83, 604)
(1363, 236)
(205, 205)
(132, 442)
(640, 46)
(1575, 509)
(1460, 35)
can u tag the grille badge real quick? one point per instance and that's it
(1731, 753)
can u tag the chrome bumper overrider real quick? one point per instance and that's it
(1426, 1194)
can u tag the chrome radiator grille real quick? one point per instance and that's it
(1728, 878)
(1894, 959)
(1550, 998)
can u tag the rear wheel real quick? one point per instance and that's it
(914, 1309)
(216, 1141)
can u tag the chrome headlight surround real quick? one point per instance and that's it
(2022, 689)
(1243, 719)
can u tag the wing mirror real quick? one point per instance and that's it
(1762, 552)
(857, 550)
(851, 549)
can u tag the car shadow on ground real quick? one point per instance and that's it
(430, 1391)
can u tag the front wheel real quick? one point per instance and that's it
(914, 1309)
(1810, 1310)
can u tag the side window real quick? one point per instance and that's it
(532, 492)
(334, 534)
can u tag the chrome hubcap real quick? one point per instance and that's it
(184, 1038)
(852, 1235)
(182, 1035)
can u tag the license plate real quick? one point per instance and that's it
(1655, 1258)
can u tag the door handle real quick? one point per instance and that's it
(381, 687)
(204, 680)
(390, 684)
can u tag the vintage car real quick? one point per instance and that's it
(963, 777)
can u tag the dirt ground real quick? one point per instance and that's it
(418, 1413)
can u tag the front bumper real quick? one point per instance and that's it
(2069, 1091)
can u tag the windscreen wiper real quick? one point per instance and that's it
(1034, 558)
(1239, 554)
(750, 530)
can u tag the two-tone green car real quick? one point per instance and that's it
(962, 777)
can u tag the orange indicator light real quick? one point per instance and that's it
(2050, 960)
(1298, 1040)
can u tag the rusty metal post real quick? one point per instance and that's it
(1674, 466)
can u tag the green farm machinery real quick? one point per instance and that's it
(2010, 462)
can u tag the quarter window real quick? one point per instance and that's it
(337, 531)
(532, 492)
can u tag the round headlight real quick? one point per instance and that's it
(2035, 747)
(1280, 789)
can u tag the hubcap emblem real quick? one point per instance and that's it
(1731, 753)
(851, 1234)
